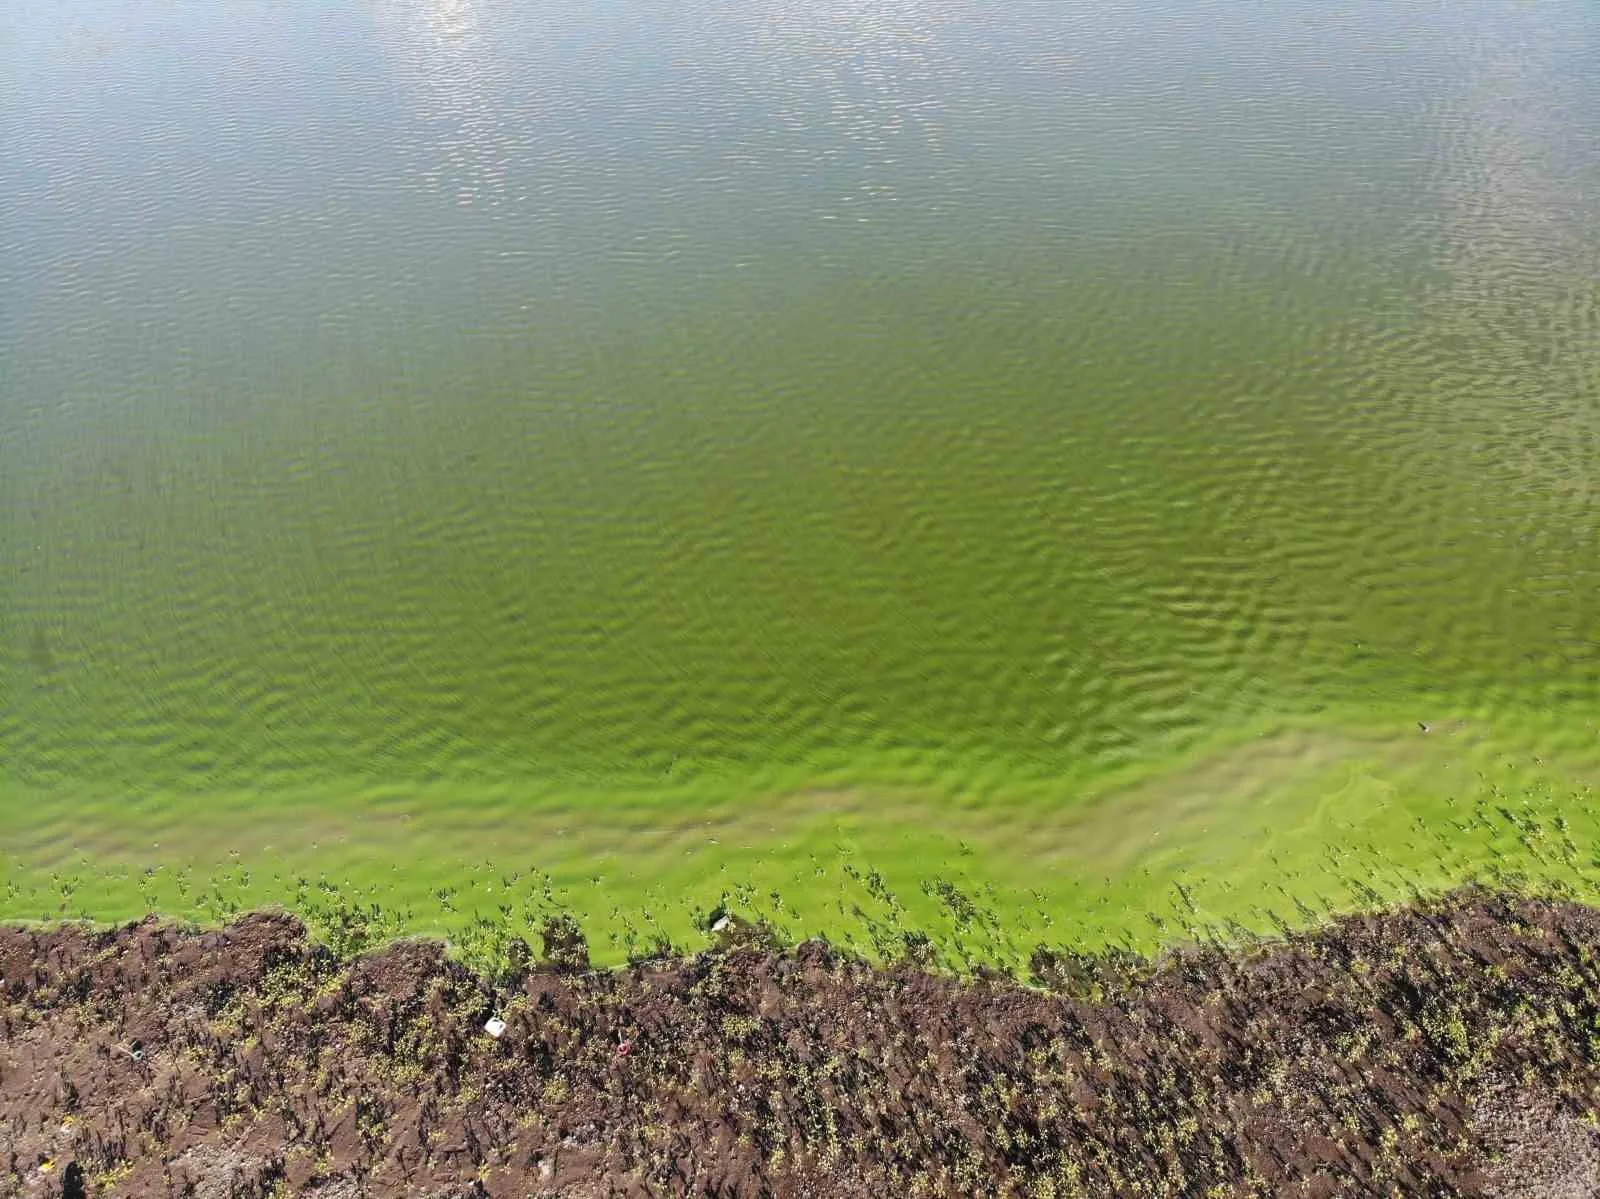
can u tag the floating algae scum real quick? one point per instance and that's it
(1283, 829)
(1072, 473)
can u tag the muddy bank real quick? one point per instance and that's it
(1450, 1049)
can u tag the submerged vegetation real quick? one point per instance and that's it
(953, 912)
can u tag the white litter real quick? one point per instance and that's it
(495, 1027)
(722, 923)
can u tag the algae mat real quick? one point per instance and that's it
(656, 452)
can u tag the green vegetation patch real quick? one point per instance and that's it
(1275, 829)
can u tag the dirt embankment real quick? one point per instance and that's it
(1447, 1050)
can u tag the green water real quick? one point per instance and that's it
(1067, 447)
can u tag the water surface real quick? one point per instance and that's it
(486, 409)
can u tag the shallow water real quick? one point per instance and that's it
(532, 405)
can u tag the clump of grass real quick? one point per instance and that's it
(565, 947)
(342, 922)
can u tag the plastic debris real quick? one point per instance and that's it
(495, 1027)
(722, 922)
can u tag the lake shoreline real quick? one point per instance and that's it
(1442, 1047)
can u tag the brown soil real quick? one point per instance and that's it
(1450, 1049)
